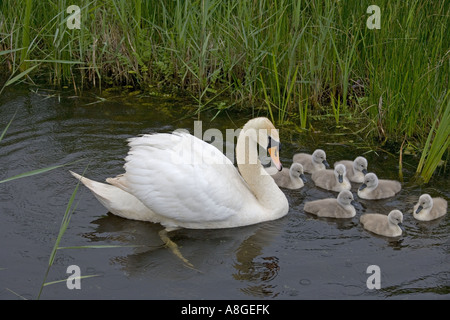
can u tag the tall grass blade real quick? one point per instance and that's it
(37, 171)
(26, 35)
(16, 294)
(269, 104)
(303, 112)
(102, 246)
(74, 278)
(7, 126)
(64, 224)
(433, 153)
(10, 51)
(19, 76)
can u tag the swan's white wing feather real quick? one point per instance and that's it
(181, 177)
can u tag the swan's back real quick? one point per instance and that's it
(181, 177)
(353, 174)
(385, 189)
(311, 163)
(287, 179)
(430, 208)
(374, 188)
(439, 208)
(390, 185)
(321, 207)
(382, 224)
(329, 208)
(328, 180)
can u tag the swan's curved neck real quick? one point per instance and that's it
(260, 183)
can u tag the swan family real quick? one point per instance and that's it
(180, 181)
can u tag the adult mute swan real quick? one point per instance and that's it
(180, 181)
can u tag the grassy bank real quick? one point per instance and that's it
(297, 59)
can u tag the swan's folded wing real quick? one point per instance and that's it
(184, 178)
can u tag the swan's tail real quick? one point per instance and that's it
(118, 201)
(102, 191)
(99, 189)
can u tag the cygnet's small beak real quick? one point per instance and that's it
(363, 186)
(419, 209)
(303, 177)
(364, 171)
(326, 163)
(340, 178)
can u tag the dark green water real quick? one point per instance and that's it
(296, 257)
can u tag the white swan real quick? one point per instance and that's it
(333, 208)
(356, 169)
(180, 181)
(428, 208)
(312, 163)
(373, 189)
(289, 178)
(388, 226)
(334, 180)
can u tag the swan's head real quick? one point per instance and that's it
(360, 164)
(340, 172)
(345, 197)
(370, 181)
(296, 171)
(425, 202)
(319, 156)
(395, 217)
(263, 132)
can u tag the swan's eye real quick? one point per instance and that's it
(273, 143)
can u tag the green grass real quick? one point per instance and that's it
(437, 144)
(295, 59)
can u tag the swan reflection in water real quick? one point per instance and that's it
(210, 251)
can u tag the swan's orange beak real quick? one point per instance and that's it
(274, 155)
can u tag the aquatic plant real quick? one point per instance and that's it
(437, 143)
(294, 58)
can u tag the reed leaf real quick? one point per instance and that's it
(19, 76)
(251, 48)
(434, 151)
(26, 35)
(65, 280)
(7, 126)
(37, 171)
(64, 224)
